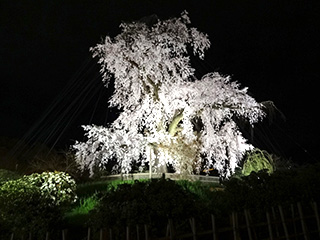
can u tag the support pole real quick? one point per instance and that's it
(149, 157)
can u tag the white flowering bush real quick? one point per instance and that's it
(59, 187)
(34, 203)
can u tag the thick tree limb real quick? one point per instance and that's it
(173, 127)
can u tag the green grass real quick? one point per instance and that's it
(79, 214)
(198, 188)
(85, 205)
(87, 194)
(90, 188)
(88, 199)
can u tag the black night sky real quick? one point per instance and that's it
(270, 46)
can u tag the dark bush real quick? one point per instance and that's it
(6, 175)
(262, 191)
(152, 202)
(308, 182)
(157, 201)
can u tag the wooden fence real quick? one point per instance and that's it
(290, 221)
(172, 176)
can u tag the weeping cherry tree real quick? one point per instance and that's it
(167, 117)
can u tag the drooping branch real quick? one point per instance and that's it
(152, 83)
(155, 89)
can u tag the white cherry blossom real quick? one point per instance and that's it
(168, 117)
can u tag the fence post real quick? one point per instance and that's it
(127, 233)
(275, 219)
(269, 225)
(138, 232)
(64, 233)
(316, 213)
(47, 235)
(193, 228)
(168, 230)
(293, 217)
(213, 221)
(11, 236)
(283, 222)
(89, 234)
(146, 232)
(101, 234)
(110, 234)
(235, 225)
(303, 224)
(171, 229)
(246, 214)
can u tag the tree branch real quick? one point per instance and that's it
(155, 86)
(155, 89)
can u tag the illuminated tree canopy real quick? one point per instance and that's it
(168, 117)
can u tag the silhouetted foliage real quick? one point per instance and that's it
(152, 202)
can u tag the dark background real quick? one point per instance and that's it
(50, 85)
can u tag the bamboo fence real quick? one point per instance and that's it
(289, 221)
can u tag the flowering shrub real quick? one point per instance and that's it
(23, 208)
(59, 187)
(35, 203)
